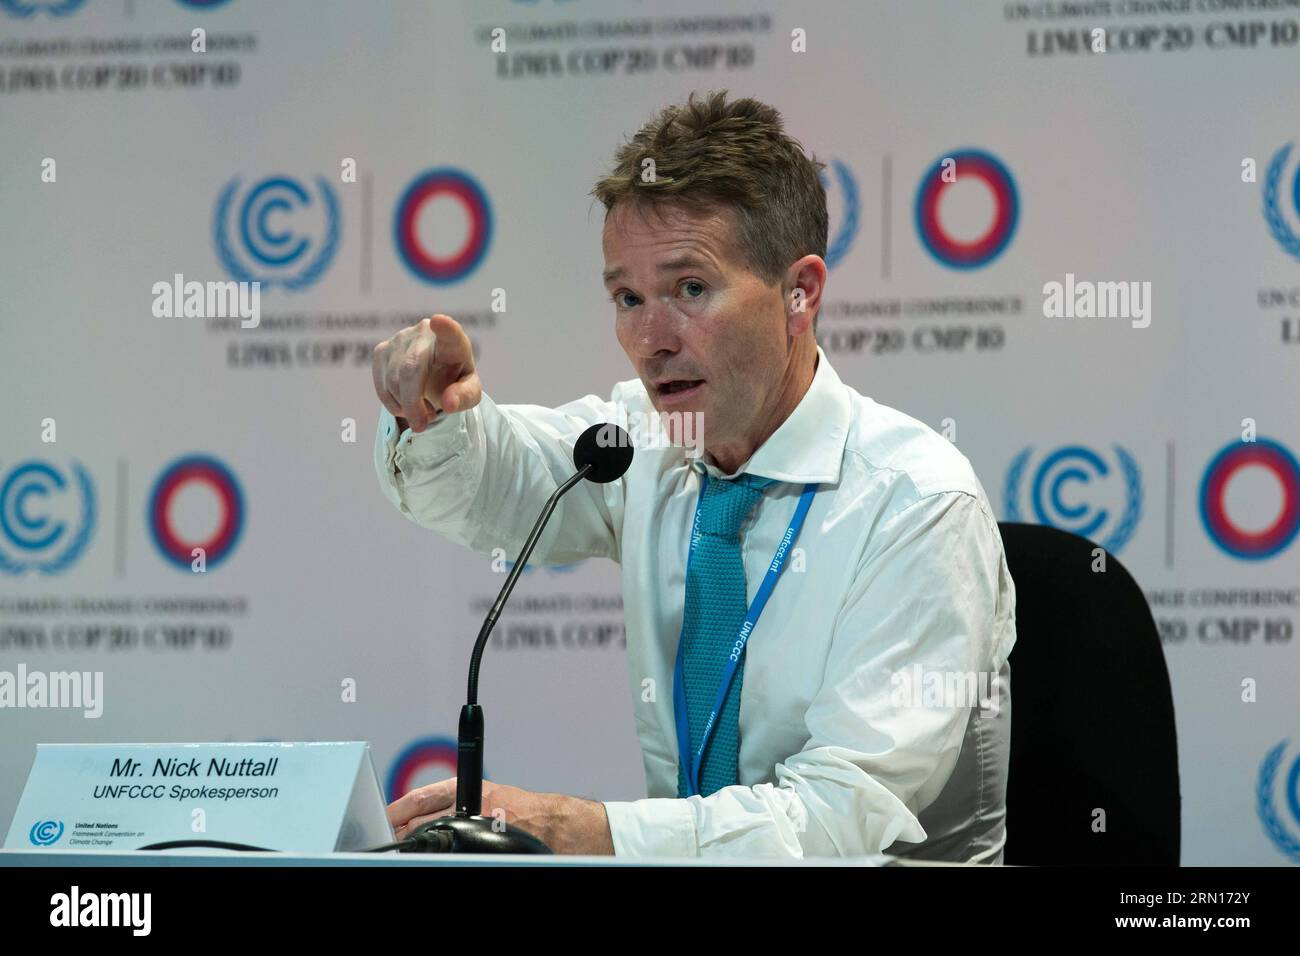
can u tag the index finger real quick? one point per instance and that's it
(430, 799)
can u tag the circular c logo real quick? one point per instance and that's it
(45, 832)
(1080, 491)
(46, 520)
(280, 231)
(1277, 787)
(428, 187)
(266, 240)
(840, 243)
(34, 479)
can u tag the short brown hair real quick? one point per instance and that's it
(711, 153)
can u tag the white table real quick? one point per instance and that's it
(208, 857)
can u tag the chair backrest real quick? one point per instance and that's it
(1092, 716)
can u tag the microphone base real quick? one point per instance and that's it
(466, 834)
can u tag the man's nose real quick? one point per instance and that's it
(655, 331)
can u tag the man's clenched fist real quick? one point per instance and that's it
(424, 370)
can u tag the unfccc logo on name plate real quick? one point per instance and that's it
(950, 228)
(434, 247)
(45, 832)
(277, 231)
(196, 503)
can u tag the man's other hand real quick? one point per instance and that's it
(565, 824)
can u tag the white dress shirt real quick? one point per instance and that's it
(900, 566)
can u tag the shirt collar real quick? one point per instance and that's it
(809, 445)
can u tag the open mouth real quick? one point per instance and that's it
(679, 386)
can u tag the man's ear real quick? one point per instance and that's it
(805, 281)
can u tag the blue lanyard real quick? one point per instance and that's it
(692, 762)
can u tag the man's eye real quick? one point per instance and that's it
(620, 299)
(690, 284)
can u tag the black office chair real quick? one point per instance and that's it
(1092, 717)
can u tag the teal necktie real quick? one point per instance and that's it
(714, 612)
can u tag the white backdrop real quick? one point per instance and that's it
(1147, 163)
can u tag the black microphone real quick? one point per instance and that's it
(603, 453)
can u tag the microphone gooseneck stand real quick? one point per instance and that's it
(602, 454)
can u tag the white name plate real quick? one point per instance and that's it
(299, 797)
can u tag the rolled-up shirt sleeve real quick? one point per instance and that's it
(932, 589)
(481, 477)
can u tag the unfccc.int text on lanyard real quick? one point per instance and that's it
(693, 761)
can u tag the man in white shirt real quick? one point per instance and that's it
(846, 622)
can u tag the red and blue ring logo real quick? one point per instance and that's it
(984, 248)
(190, 471)
(427, 187)
(418, 757)
(1223, 531)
